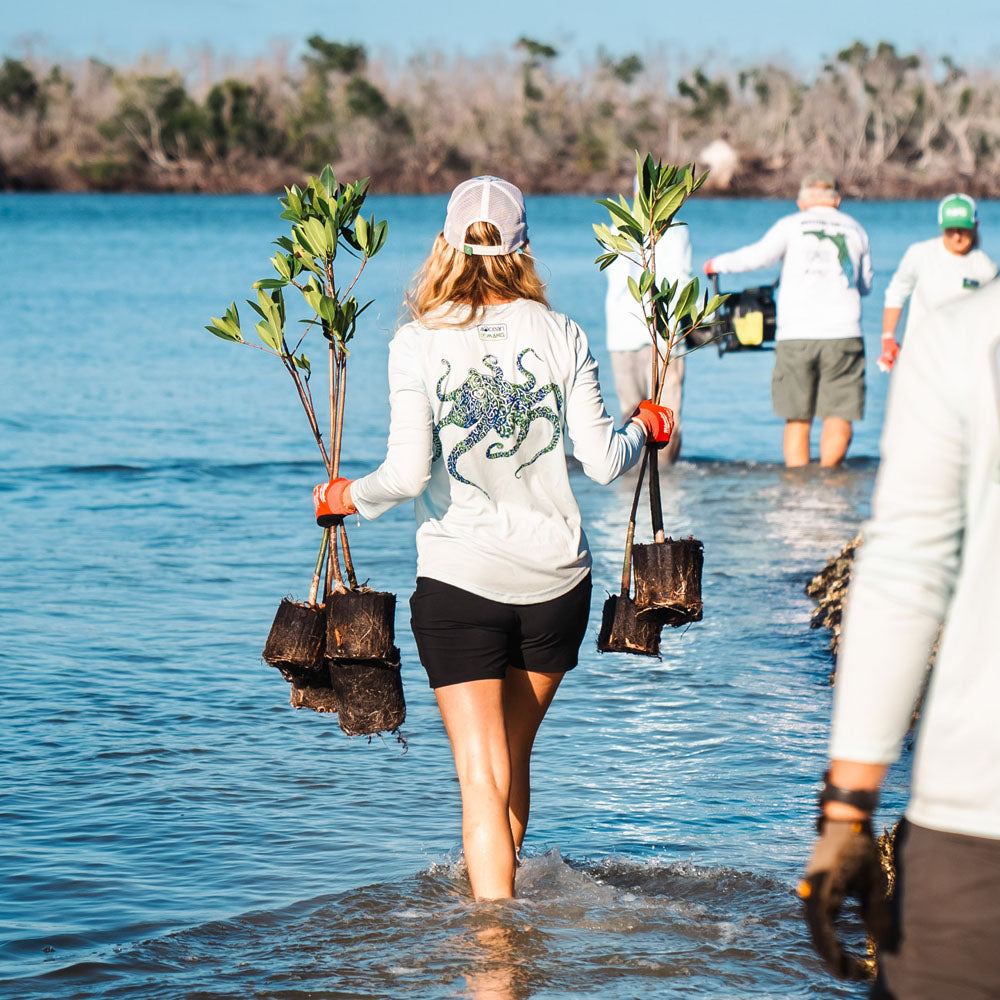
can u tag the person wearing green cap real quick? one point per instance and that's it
(936, 271)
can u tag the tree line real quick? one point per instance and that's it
(889, 124)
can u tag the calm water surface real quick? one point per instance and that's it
(171, 828)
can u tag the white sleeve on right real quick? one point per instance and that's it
(903, 281)
(768, 250)
(604, 453)
(908, 564)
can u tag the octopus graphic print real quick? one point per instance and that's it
(486, 402)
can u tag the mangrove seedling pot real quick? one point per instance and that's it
(315, 696)
(668, 581)
(369, 695)
(311, 688)
(622, 631)
(297, 635)
(360, 625)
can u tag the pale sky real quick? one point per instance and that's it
(728, 31)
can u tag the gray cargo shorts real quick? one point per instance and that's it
(819, 378)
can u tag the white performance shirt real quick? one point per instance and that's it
(627, 330)
(929, 276)
(826, 268)
(931, 554)
(478, 416)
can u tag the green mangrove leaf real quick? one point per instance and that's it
(633, 287)
(328, 179)
(280, 263)
(667, 205)
(303, 242)
(225, 334)
(617, 211)
(271, 311)
(267, 334)
(361, 233)
(303, 362)
(688, 295)
(270, 283)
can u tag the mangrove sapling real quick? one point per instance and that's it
(352, 622)
(667, 572)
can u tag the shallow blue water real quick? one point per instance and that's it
(172, 828)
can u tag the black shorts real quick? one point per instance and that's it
(464, 637)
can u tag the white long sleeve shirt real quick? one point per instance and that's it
(826, 268)
(931, 554)
(626, 326)
(477, 420)
(930, 275)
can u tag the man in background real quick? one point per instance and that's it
(819, 367)
(936, 271)
(629, 340)
(930, 557)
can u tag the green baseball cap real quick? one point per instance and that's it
(957, 211)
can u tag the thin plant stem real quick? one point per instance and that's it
(334, 388)
(352, 580)
(314, 588)
(338, 580)
(341, 397)
(627, 567)
(307, 405)
(343, 298)
(655, 505)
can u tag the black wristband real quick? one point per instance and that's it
(866, 801)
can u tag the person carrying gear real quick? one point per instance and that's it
(629, 342)
(935, 271)
(819, 367)
(929, 559)
(485, 383)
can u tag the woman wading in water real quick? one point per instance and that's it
(483, 384)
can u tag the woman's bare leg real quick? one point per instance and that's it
(473, 714)
(526, 698)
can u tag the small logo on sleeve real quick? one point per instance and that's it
(492, 331)
(970, 283)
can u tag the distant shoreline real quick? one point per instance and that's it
(271, 178)
(888, 124)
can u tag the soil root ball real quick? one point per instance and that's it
(668, 580)
(369, 695)
(622, 631)
(319, 699)
(296, 636)
(360, 625)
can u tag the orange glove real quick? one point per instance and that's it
(657, 420)
(328, 499)
(709, 267)
(890, 350)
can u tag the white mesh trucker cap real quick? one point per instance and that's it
(486, 199)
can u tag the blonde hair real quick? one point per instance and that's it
(449, 278)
